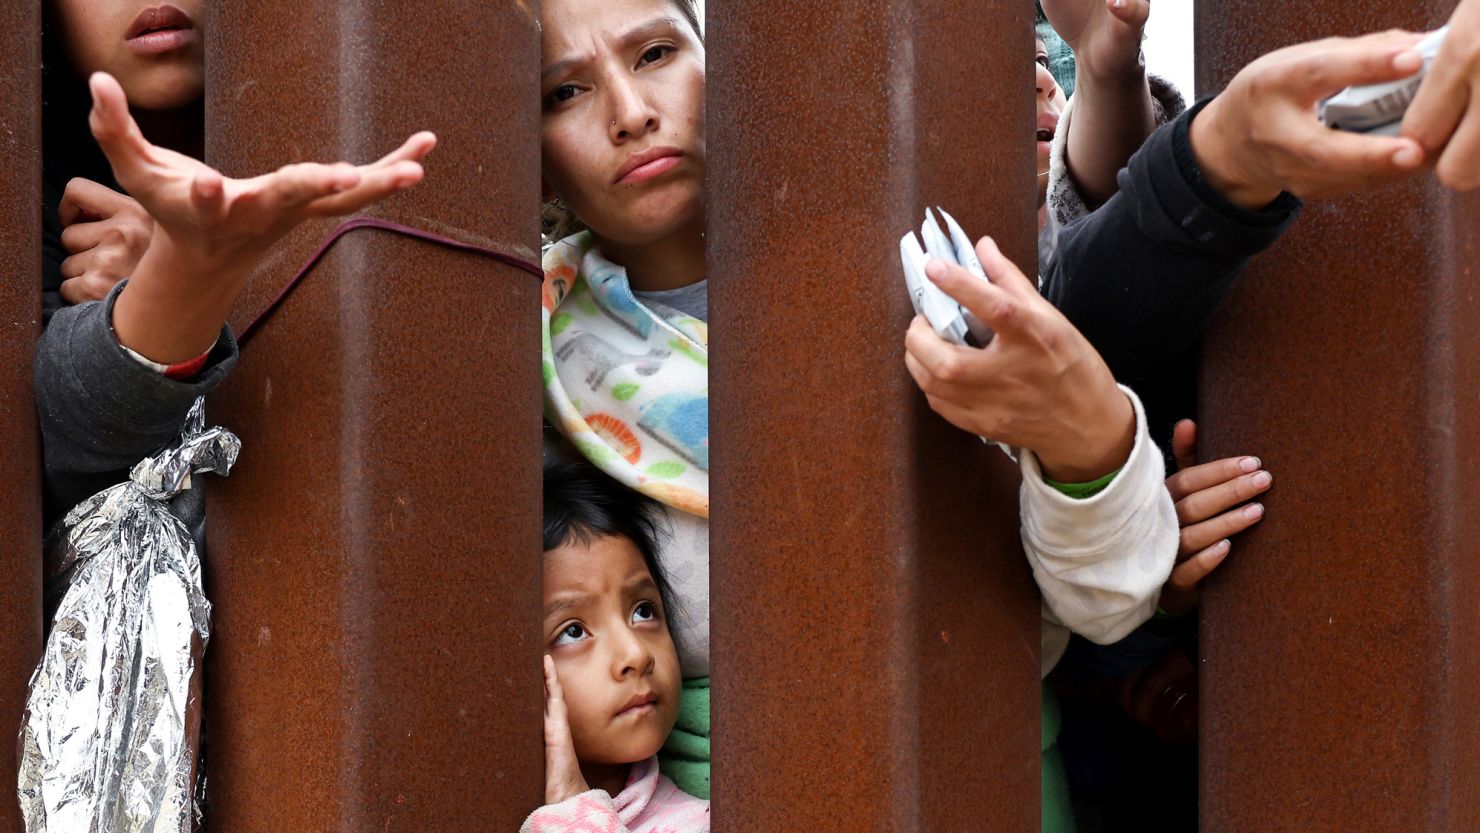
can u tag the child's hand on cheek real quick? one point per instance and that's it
(210, 230)
(563, 778)
(1207, 499)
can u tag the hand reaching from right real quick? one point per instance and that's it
(210, 230)
(1445, 116)
(1261, 135)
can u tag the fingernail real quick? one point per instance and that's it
(1221, 547)
(935, 269)
(1262, 479)
(1254, 511)
(1409, 60)
(1407, 157)
(1249, 464)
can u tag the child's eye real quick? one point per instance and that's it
(572, 633)
(1043, 61)
(655, 54)
(645, 612)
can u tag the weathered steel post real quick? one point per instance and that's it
(1340, 668)
(875, 627)
(374, 560)
(20, 325)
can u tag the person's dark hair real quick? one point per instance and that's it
(583, 503)
(556, 220)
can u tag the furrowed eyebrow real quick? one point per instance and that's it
(565, 602)
(643, 31)
(561, 67)
(636, 34)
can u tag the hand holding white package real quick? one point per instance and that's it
(949, 319)
(1378, 109)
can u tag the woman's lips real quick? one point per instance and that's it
(160, 29)
(644, 166)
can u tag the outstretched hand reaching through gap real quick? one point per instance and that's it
(211, 230)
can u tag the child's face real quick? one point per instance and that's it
(1050, 107)
(607, 632)
(622, 78)
(155, 50)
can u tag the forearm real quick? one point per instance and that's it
(1112, 117)
(173, 308)
(1102, 443)
(1142, 275)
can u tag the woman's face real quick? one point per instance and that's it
(155, 50)
(1050, 106)
(623, 130)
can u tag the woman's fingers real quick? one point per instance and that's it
(374, 185)
(1180, 593)
(1459, 165)
(1196, 478)
(1201, 504)
(1004, 273)
(1184, 448)
(414, 149)
(88, 287)
(115, 129)
(396, 171)
(1195, 537)
(84, 199)
(1132, 13)
(1316, 70)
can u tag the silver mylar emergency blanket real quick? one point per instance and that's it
(112, 722)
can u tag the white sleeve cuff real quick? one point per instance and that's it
(1100, 561)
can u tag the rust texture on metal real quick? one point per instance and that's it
(876, 630)
(374, 559)
(1340, 669)
(20, 325)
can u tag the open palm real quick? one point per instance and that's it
(222, 218)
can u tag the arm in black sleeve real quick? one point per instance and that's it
(1142, 275)
(100, 410)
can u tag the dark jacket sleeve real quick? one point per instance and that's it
(1142, 275)
(100, 410)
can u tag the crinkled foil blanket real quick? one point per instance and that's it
(111, 731)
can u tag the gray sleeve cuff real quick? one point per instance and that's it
(101, 410)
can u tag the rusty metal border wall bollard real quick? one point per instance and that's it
(1340, 663)
(374, 560)
(876, 630)
(20, 305)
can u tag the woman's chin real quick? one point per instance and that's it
(656, 220)
(164, 88)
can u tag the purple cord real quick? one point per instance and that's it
(384, 225)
